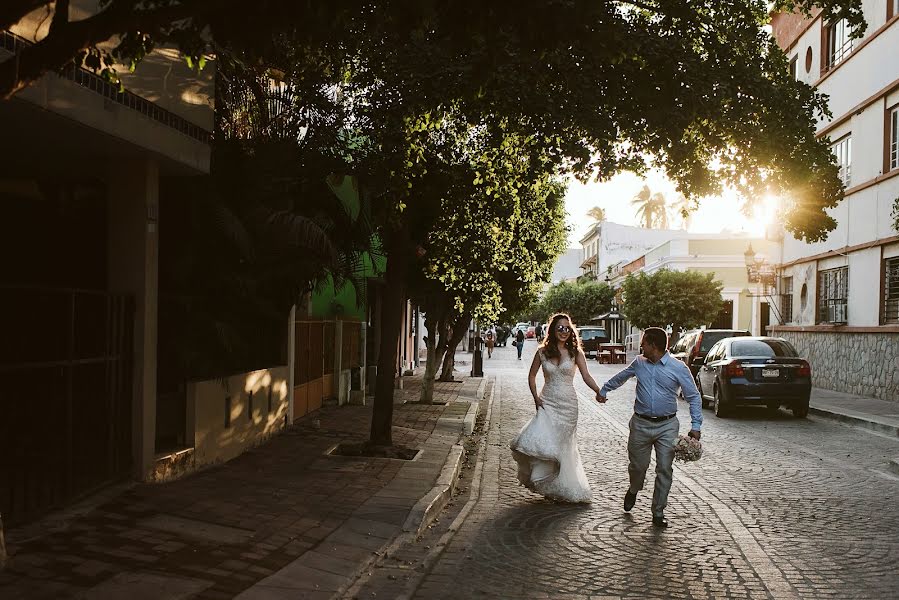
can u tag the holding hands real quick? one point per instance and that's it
(600, 398)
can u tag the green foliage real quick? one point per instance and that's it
(582, 301)
(682, 299)
(895, 214)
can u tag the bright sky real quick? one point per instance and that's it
(715, 214)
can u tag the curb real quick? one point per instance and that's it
(433, 502)
(482, 388)
(854, 420)
(471, 418)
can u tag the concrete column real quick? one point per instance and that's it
(133, 269)
(291, 360)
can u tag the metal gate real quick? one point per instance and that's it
(65, 395)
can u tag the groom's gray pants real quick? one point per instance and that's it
(645, 435)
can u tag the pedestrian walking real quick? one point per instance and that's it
(519, 342)
(654, 423)
(489, 341)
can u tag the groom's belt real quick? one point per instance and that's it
(655, 419)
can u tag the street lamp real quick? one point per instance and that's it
(758, 270)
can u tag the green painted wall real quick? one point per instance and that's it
(327, 301)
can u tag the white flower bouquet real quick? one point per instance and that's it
(687, 449)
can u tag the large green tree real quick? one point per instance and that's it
(679, 299)
(701, 88)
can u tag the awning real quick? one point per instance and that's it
(609, 316)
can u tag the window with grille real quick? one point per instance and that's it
(894, 137)
(833, 295)
(839, 44)
(786, 299)
(843, 151)
(891, 290)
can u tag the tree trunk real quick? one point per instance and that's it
(449, 360)
(391, 325)
(435, 325)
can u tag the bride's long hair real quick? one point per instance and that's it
(550, 345)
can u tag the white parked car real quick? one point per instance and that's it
(521, 326)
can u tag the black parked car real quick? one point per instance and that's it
(591, 338)
(693, 346)
(755, 370)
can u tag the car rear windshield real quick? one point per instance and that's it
(589, 334)
(709, 339)
(762, 348)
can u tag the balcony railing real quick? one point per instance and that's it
(86, 79)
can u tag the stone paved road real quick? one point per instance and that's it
(777, 508)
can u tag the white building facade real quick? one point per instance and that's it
(607, 244)
(840, 297)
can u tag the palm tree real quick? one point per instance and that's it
(597, 214)
(652, 209)
(684, 208)
(260, 232)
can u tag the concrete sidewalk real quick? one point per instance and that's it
(871, 413)
(877, 415)
(284, 520)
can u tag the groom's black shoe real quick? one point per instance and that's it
(630, 498)
(660, 521)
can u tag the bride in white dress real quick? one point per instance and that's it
(549, 462)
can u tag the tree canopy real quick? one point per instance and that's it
(681, 299)
(700, 89)
(582, 301)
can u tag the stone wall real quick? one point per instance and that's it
(866, 364)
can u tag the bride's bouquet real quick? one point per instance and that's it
(687, 449)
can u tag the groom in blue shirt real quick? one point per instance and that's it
(655, 424)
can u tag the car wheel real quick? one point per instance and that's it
(800, 409)
(773, 407)
(721, 411)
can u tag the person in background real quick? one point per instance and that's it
(489, 341)
(519, 342)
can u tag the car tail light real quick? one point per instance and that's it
(805, 369)
(734, 369)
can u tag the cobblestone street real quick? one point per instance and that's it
(777, 508)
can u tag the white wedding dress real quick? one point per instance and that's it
(549, 462)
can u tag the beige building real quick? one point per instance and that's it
(746, 304)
